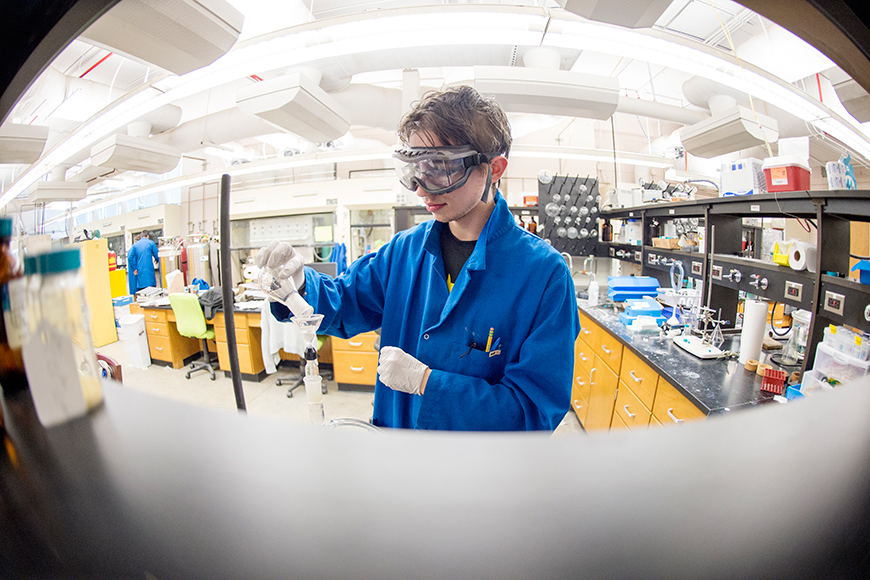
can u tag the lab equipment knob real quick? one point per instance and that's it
(757, 281)
(734, 275)
(653, 259)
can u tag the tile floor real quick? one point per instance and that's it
(261, 399)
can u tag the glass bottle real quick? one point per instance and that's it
(61, 333)
(12, 376)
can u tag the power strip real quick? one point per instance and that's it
(695, 345)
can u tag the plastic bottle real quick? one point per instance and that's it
(593, 292)
(58, 353)
(12, 376)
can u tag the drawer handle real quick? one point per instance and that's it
(629, 413)
(591, 382)
(671, 415)
(156, 329)
(579, 382)
(637, 380)
(587, 332)
(577, 403)
(352, 343)
(583, 358)
(153, 316)
(357, 369)
(606, 350)
(159, 347)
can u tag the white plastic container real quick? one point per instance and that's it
(838, 365)
(633, 232)
(132, 332)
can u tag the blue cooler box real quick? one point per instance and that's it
(642, 307)
(622, 288)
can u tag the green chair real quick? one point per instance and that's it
(190, 321)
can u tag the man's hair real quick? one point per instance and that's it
(459, 116)
(146, 234)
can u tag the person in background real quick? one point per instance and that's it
(478, 316)
(140, 263)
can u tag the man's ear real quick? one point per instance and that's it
(499, 166)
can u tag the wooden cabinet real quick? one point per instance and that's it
(355, 361)
(672, 408)
(248, 345)
(165, 344)
(615, 388)
(603, 382)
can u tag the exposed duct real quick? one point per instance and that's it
(371, 106)
(644, 108)
(627, 13)
(215, 129)
(49, 191)
(22, 143)
(134, 154)
(855, 99)
(731, 126)
(295, 103)
(549, 92)
(176, 35)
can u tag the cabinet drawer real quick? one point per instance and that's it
(587, 329)
(583, 356)
(581, 385)
(639, 377)
(630, 409)
(156, 328)
(160, 348)
(617, 423)
(154, 315)
(609, 349)
(246, 363)
(358, 368)
(580, 407)
(240, 319)
(672, 407)
(243, 336)
(360, 343)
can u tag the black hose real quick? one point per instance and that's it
(227, 293)
(772, 327)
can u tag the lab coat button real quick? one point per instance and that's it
(425, 337)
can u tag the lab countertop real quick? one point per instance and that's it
(714, 386)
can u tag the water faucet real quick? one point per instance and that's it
(568, 259)
(589, 259)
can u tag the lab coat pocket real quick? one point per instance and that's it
(476, 362)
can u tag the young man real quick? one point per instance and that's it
(478, 317)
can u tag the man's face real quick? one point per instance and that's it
(458, 203)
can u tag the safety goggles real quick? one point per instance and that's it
(437, 170)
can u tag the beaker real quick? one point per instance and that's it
(796, 347)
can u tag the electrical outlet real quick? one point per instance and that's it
(834, 302)
(717, 272)
(638, 256)
(697, 267)
(793, 290)
(652, 259)
(612, 252)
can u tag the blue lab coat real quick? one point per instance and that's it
(139, 258)
(513, 282)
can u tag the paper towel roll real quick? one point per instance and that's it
(801, 256)
(752, 334)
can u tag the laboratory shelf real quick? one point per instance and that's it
(845, 301)
(784, 285)
(693, 262)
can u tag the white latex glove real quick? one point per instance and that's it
(400, 371)
(283, 261)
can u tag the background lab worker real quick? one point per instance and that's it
(478, 317)
(140, 263)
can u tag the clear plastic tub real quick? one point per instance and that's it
(838, 365)
(848, 342)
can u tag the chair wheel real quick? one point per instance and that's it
(212, 377)
(187, 376)
(192, 365)
(278, 382)
(290, 394)
(323, 389)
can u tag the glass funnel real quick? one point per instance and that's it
(308, 326)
